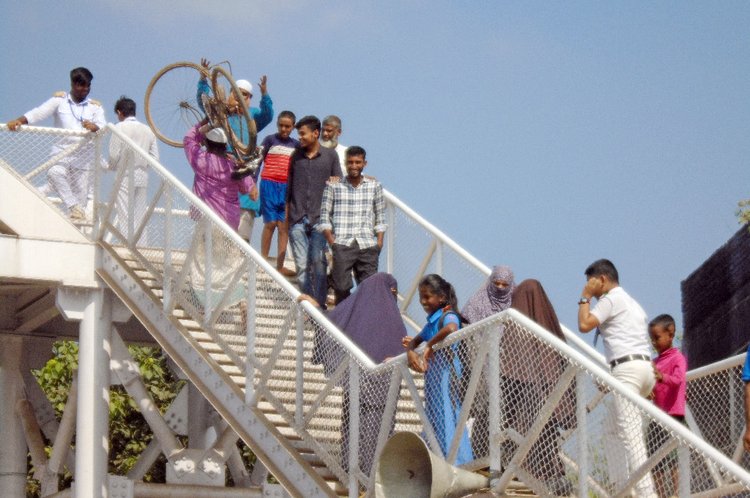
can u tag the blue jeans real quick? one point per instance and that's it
(308, 250)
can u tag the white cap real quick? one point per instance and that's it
(217, 135)
(244, 85)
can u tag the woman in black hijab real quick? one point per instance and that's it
(530, 370)
(371, 319)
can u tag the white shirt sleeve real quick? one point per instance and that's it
(603, 309)
(44, 111)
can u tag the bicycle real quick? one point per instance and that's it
(171, 106)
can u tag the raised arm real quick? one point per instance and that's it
(265, 116)
(203, 88)
(587, 321)
(192, 143)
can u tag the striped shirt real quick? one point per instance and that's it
(278, 156)
(353, 213)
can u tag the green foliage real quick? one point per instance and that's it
(743, 212)
(129, 433)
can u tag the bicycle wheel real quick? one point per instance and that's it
(215, 109)
(243, 134)
(171, 105)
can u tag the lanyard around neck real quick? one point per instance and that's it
(78, 118)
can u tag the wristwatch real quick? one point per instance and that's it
(584, 300)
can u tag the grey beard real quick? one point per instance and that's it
(329, 144)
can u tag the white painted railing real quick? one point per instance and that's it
(717, 410)
(538, 408)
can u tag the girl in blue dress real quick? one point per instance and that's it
(442, 368)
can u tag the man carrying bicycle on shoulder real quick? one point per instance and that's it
(262, 116)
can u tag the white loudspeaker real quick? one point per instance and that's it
(407, 468)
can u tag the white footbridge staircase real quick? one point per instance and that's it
(156, 266)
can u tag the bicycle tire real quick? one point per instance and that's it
(244, 139)
(171, 107)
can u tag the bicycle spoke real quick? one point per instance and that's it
(171, 103)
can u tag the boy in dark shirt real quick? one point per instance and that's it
(310, 169)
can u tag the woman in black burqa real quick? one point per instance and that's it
(530, 370)
(370, 318)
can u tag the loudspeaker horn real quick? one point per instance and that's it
(407, 467)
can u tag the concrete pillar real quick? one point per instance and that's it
(93, 307)
(92, 420)
(13, 448)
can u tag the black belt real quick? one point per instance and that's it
(630, 357)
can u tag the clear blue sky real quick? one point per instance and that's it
(542, 135)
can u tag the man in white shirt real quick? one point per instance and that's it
(624, 327)
(330, 138)
(134, 178)
(70, 177)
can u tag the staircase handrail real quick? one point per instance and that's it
(436, 232)
(618, 387)
(716, 367)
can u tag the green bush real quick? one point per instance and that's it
(128, 431)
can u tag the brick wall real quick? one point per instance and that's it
(716, 304)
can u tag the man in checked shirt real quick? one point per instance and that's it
(352, 219)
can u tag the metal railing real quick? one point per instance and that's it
(502, 393)
(715, 409)
(715, 396)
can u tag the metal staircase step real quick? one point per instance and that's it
(216, 377)
(271, 316)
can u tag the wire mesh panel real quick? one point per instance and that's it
(566, 427)
(59, 163)
(336, 412)
(413, 251)
(715, 397)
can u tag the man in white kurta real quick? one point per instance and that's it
(70, 176)
(130, 202)
(330, 138)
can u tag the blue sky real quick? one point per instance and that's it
(543, 135)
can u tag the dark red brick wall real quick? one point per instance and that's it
(716, 304)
